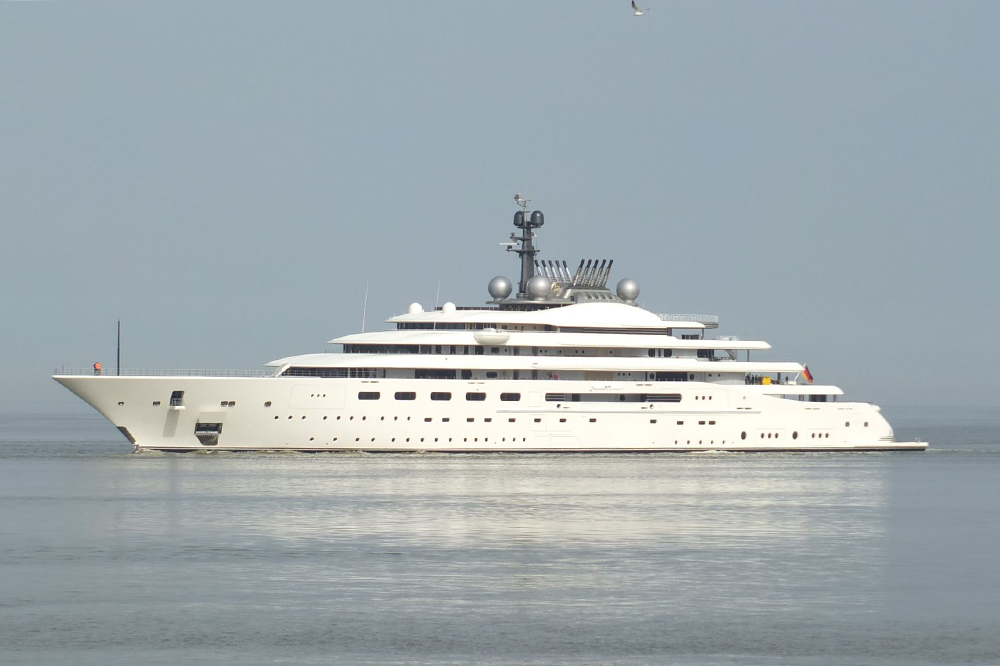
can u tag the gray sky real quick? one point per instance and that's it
(225, 177)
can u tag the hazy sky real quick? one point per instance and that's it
(226, 177)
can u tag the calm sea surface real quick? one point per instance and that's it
(109, 557)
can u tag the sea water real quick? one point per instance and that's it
(109, 557)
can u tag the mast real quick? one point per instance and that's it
(527, 251)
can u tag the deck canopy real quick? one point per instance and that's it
(632, 340)
(554, 363)
(581, 315)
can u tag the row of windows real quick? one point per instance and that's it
(465, 350)
(471, 396)
(612, 397)
(449, 326)
(437, 373)
(332, 373)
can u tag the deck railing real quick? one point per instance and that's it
(700, 318)
(159, 372)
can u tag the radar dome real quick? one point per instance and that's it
(415, 308)
(539, 287)
(628, 289)
(448, 308)
(500, 287)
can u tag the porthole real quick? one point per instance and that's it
(325, 418)
(267, 404)
(866, 424)
(847, 424)
(275, 417)
(795, 434)
(743, 435)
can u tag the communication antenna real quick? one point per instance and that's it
(523, 203)
(364, 311)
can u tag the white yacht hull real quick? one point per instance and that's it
(303, 414)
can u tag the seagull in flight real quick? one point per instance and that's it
(636, 11)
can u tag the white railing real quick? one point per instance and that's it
(699, 318)
(159, 372)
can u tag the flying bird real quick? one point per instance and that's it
(636, 11)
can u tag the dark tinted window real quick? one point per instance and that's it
(438, 395)
(406, 395)
(369, 395)
(510, 397)
(475, 396)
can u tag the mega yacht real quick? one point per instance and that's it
(562, 364)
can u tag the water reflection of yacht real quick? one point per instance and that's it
(562, 364)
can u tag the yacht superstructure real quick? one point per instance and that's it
(562, 364)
